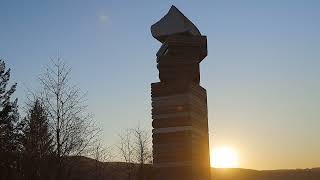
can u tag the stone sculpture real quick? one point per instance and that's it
(179, 103)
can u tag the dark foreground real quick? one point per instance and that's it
(246, 174)
(88, 169)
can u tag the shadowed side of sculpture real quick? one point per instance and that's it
(182, 50)
(173, 23)
(179, 103)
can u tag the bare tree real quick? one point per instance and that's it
(101, 155)
(135, 148)
(127, 152)
(143, 153)
(72, 127)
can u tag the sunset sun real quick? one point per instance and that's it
(224, 157)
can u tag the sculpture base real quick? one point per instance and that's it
(180, 134)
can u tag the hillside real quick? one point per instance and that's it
(246, 174)
(89, 169)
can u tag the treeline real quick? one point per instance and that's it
(56, 127)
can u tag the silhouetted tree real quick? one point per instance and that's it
(143, 153)
(9, 127)
(101, 155)
(126, 152)
(135, 148)
(37, 144)
(72, 127)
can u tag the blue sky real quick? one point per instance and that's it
(261, 74)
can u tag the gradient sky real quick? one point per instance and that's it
(262, 73)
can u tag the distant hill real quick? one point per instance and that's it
(247, 174)
(89, 169)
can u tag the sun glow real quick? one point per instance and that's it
(224, 157)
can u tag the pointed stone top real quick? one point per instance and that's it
(173, 23)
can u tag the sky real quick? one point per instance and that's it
(262, 73)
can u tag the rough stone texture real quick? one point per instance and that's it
(180, 134)
(179, 103)
(173, 23)
(179, 62)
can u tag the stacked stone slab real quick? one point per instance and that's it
(179, 111)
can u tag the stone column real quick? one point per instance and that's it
(179, 108)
